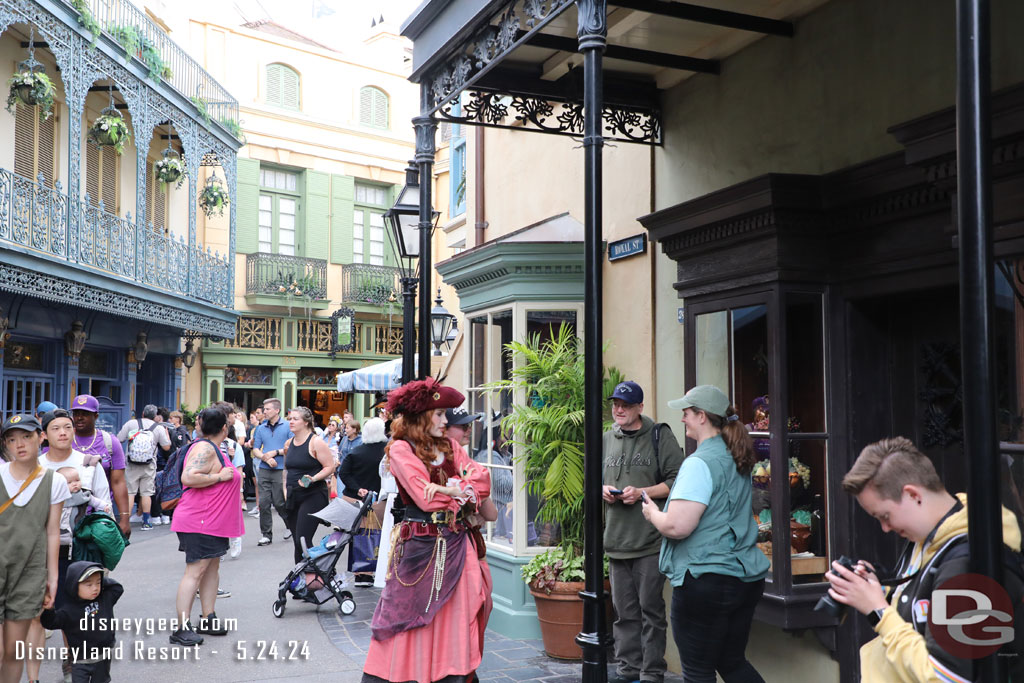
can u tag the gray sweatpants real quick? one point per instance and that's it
(271, 497)
(640, 625)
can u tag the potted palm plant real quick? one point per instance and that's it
(547, 436)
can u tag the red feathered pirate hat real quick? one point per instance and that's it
(421, 396)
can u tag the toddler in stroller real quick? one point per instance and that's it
(315, 579)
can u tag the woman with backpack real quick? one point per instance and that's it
(31, 500)
(59, 431)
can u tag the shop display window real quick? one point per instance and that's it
(517, 530)
(767, 352)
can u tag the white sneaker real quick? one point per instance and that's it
(156, 521)
(255, 512)
(135, 519)
(236, 547)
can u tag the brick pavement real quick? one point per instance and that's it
(505, 659)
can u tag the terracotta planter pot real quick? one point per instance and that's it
(561, 618)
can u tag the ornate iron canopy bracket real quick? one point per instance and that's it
(545, 115)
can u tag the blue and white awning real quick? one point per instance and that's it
(373, 378)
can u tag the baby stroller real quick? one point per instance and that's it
(314, 579)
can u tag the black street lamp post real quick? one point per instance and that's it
(403, 220)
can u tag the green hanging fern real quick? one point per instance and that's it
(110, 130)
(31, 88)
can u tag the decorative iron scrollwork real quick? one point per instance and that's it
(343, 330)
(942, 394)
(489, 44)
(497, 110)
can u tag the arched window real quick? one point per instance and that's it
(282, 86)
(373, 107)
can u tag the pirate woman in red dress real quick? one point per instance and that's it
(429, 624)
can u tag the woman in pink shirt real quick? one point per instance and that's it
(208, 514)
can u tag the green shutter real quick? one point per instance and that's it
(247, 206)
(315, 209)
(342, 206)
(389, 251)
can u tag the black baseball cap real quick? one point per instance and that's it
(27, 423)
(461, 416)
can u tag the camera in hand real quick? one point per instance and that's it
(826, 604)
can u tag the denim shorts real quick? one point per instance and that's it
(198, 546)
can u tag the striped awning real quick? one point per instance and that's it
(373, 378)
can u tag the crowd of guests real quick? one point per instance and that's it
(685, 520)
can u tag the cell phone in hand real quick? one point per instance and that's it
(615, 492)
(643, 494)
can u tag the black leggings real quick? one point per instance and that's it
(301, 522)
(711, 616)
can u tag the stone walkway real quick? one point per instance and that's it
(505, 659)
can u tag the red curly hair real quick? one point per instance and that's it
(414, 428)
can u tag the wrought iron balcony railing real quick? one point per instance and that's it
(120, 18)
(286, 275)
(71, 230)
(366, 284)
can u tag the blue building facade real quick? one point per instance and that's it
(104, 276)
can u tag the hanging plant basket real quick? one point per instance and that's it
(214, 198)
(170, 169)
(110, 130)
(31, 87)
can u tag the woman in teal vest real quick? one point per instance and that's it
(709, 553)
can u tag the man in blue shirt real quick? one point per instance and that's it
(268, 440)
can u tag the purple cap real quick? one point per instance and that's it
(86, 402)
(629, 392)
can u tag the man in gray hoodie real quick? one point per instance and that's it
(636, 462)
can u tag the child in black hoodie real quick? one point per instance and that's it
(86, 618)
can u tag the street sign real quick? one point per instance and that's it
(630, 246)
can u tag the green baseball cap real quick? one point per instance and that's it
(705, 397)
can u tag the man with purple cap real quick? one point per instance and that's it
(90, 440)
(640, 458)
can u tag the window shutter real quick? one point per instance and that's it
(389, 241)
(46, 147)
(158, 213)
(366, 106)
(274, 84)
(342, 206)
(289, 88)
(247, 206)
(380, 109)
(108, 178)
(92, 173)
(24, 141)
(316, 208)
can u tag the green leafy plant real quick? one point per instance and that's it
(87, 21)
(213, 199)
(233, 127)
(110, 130)
(31, 88)
(200, 104)
(374, 292)
(553, 566)
(136, 44)
(190, 415)
(170, 169)
(547, 432)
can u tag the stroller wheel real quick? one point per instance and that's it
(347, 606)
(279, 608)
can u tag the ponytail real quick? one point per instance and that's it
(737, 439)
